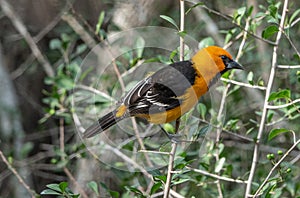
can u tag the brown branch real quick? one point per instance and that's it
(15, 19)
(62, 150)
(73, 180)
(22, 182)
(77, 27)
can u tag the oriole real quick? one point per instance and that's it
(171, 91)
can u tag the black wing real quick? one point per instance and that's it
(162, 90)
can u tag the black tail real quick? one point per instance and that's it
(103, 123)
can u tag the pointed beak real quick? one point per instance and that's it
(234, 65)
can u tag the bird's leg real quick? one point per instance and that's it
(172, 137)
(177, 124)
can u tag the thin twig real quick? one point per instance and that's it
(170, 168)
(23, 67)
(48, 28)
(73, 180)
(274, 168)
(15, 19)
(155, 152)
(181, 39)
(291, 43)
(95, 91)
(128, 160)
(174, 143)
(22, 182)
(288, 66)
(134, 124)
(138, 137)
(77, 27)
(243, 84)
(223, 101)
(284, 105)
(216, 176)
(62, 150)
(265, 107)
(62, 138)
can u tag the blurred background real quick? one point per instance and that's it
(43, 43)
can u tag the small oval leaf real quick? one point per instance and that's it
(276, 132)
(94, 186)
(220, 165)
(170, 20)
(269, 31)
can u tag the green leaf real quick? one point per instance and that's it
(94, 186)
(208, 41)
(239, 13)
(169, 128)
(180, 181)
(285, 93)
(63, 186)
(276, 132)
(54, 187)
(114, 194)
(294, 15)
(161, 178)
(249, 11)
(220, 165)
(201, 108)
(269, 31)
(273, 11)
(194, 6)
(55, 44)
(170, 20)
(81, 48)
(155, 187)
(50, 192)
(65, 83)
(182, 33)
(100, 21)
(250, 78)
(140, 45)
(134, 190)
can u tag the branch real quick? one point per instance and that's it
(284, 105)
(128, 160)
(77, 27)
(62, 150)
(170, 168)
(15, 19)
(243, 84)
(217, 176)
(291, 43)
(174, 143)
(22, 182)
(288, 66)
(274, 167)
(95, 91)
(265, 107)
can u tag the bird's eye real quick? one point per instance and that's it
(223, 57)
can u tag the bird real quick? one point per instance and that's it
(170, 92)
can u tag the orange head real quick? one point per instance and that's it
(222, 58)
(211, 62)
